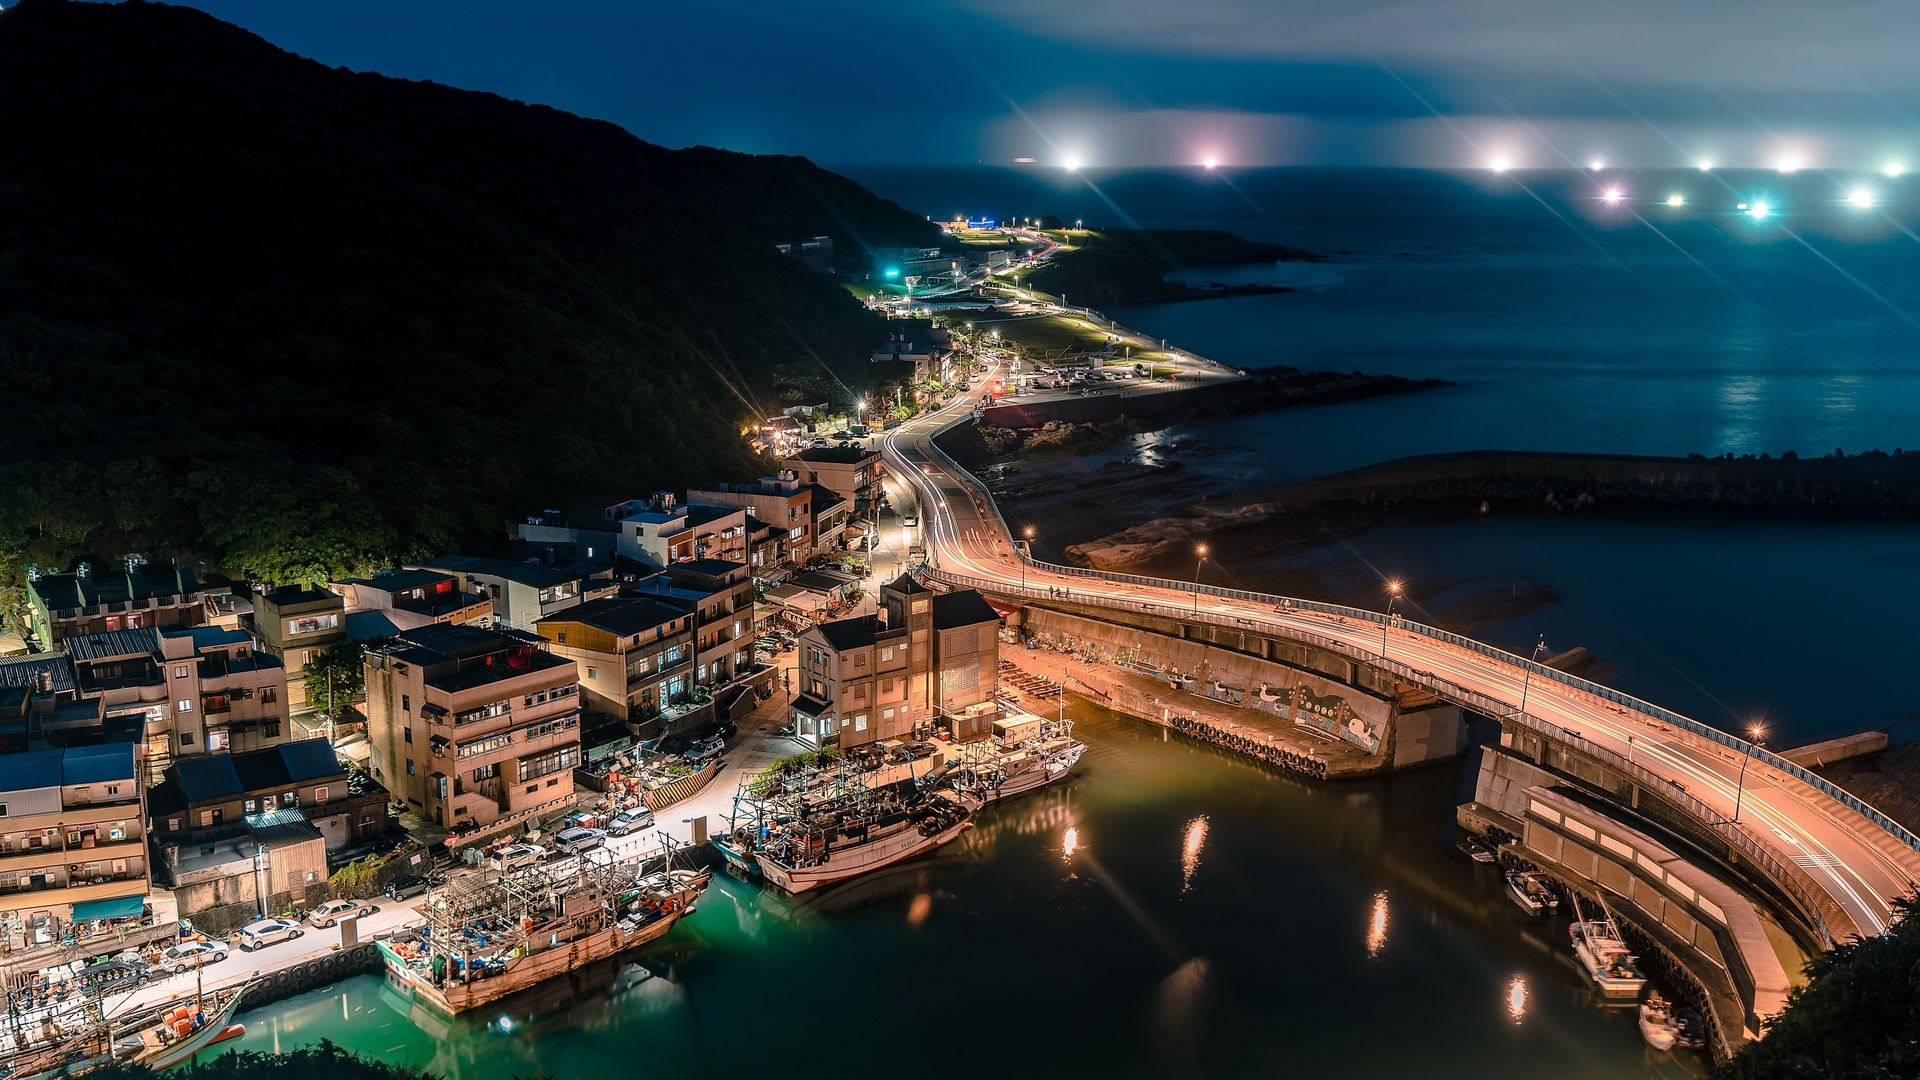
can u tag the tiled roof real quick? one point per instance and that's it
(115, 643)
(22, 672)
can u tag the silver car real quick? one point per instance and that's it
(267, 931)
(334, 910)
(191, 954)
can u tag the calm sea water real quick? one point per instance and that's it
(1212, 920)
(1567, 324)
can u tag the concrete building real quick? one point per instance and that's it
(780, 500)
(885, 676)
(635, 658)
(41, 707)
(410, 598)
(720, 594)
(205, 800)
(670, 533)
(98, 602)
(928, 358)
(296, 623)
(588, 532)
(851, 472)
(72, 841)
(471, 725)
(524, 593)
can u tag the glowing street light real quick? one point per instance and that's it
(1740, 787)
(1202, 552)
(1612, 196)
(1676, 199)
(1025, 555)
(1393, 597)
(1861, 198)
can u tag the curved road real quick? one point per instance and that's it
(1855, 863)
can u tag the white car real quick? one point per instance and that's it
(191, 954)
(627, 821)
(333, 911)
(256, 935)
(514, 856)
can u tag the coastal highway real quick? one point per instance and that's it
(1855, 864)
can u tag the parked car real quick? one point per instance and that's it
(333, 911)
(576, 840)
(627, 821)
(514, 856)
(256, 935)
(191, 954)
(408, 887)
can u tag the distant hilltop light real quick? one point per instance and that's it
(1894, 169)
(1024, 160)
(1597, 165)
(1072, 164)
(1759, 210)
(1706, 166)
(1676, 199)
(1612, 196)
(1499, 164)
(1213, 163)
(1861, 198)
(1790, 165)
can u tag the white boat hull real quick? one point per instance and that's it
(852, 861)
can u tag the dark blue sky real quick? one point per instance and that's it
(1139, 82)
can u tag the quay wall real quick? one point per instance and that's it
(1106, 405)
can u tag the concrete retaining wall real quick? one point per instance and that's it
(1106, 405)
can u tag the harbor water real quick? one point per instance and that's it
(1170, 911)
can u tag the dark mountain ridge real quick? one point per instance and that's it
(297, 319)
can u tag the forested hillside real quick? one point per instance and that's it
(295, 319)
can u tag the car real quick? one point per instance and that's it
(257, 935)
(192, 954)
(514, 856)
(408, 887)
(576, 840)
(333, 911)
(909, 522)
(627, 821)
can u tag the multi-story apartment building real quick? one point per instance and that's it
(298, 623)
(98, 602)
(720, 595)
(680, 533)
(882, 676)
(523, 593)
(473, 725)
(207, 799)
(851, 472)
(780, 500)
(635, 658)
(410, 598)
(73, 847)
(587, 532)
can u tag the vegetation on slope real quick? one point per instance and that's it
(1107, 266)
(298, 320)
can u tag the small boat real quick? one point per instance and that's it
(1690, 1029)
(1476, 849)
(1657, 1023)
(1530, 890)
(1605, 958)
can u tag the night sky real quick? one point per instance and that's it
(1120, 83)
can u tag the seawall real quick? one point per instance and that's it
(1137, 403)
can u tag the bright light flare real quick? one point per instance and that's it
(1676, 199)
(1596, 165)
(1893, 170)
(1861, 198)
(1789, 165)
(1190, 850)
(1612, 196)
(1500, 164)
(1212, 163)
(1072, 164)
(1377, 925)
(1517, 998)
(1706, 166)
(1759, 211)
(1071, 843)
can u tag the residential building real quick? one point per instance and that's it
(472, 725)
(929, 360)
(673, 532)
(205, 800)
(720, 593)
(405, 599)
(89, 602)
(523, 593)
(831, 513)
(41, 707)
(185, 692)
(769, 550)
(297, 623)
(589, 532)
(885, 676)
(635, 658)
(780, 500)
(72, 841)
(851, 472)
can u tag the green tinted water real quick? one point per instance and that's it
(1213, 919)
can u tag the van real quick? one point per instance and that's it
(575, 841)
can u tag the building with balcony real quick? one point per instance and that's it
(41, 707)
(205, 800)
(885, 676)
(406, 599)
(73, 846)
(668, 534)
(297, 623)
(634, 657)
(720, 595)
(781, 500)
(851, 472)
(523, 593)
(588, 531)
(88, 602)
(471, 725)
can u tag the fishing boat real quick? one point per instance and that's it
(1476, 849)
(487, 938)
(157, 1037)
(1604, 957)
(1026, 753)
(822, 825)
(1657, 1023)
(1530, 889)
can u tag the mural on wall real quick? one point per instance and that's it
(1325, 710)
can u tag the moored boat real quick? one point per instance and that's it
(1657, 1023)
(1532, 892)
(1605, 958)
(1025, 753)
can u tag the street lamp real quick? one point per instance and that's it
(1028, 533)
(1527, 681)
(1740, 787)
(1202, 552)
(1393, 596)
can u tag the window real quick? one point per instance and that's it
(289, 798)
(487, 745)
(206, 817)
(269, 694)
(531, 788)
(409, 766)
(320, 794)
(886, 714)
(118, 831)
(185, 705)
(593, 673)
(406, 703)
(561, 638)
(547, 764)
(886, 654)
(113, 789)
(252, 806)
(173, 824)
(554, 782)
(548, 727)
(313, 624)
(268, 804)
(406, 735)
(860, 722)
(920, 606)
(270, 727)
(186, 738)
(180, 671)
(217, 738)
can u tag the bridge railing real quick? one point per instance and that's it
(1520, 663)
(1794, 881)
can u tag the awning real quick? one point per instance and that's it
(810, 705)
(119, 907)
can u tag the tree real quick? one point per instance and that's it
(336, 676)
